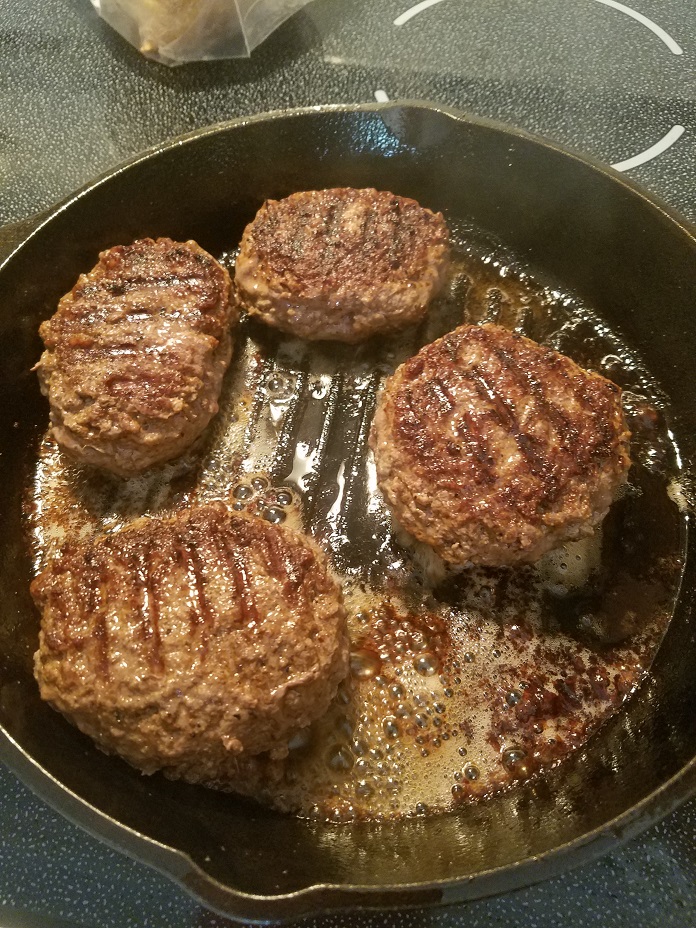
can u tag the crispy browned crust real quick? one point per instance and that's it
(193, 643)
(494, 450)
(135, 354)
(342, 264)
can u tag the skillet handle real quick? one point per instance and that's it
(13, 234)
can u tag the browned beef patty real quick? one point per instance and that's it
(193, 643)
(494, 450)
(136, 353)
(342, 264)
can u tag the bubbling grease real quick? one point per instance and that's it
(462, 681)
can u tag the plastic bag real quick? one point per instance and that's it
(176, 31)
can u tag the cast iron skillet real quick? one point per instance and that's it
(627, 256)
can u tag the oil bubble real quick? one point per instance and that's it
(512, 756)
(426, 665)
(364, 663)
(471, 772)
(279, 385)
(259, 483)
(273, 515)
(242, 491)
(391, 727)
(340, 758)
(283, 497)
(513, 697)
(274, 382)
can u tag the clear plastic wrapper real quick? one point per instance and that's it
(176, 31)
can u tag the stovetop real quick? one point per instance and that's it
(613, 81)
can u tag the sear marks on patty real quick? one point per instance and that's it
(136, 353)
(494, 450)
(342, 264)
(192, 644)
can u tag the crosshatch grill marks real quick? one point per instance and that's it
(525, 378)
(502, 412)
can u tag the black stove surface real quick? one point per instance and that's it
(76, 98)
(613, 81)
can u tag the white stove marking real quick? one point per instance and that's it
(664, 143)
(414, 11)
(658, 30)
(381, 96)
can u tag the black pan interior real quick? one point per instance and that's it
(622, 254)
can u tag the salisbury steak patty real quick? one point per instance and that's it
(494, 450)
(341, 264)
(136, 353)
(191, 643)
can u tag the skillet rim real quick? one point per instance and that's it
(28, 226)
(322, 898)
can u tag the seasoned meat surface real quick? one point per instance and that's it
(191, 644)
(136, 353)
(342, 264)
(494, 450)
